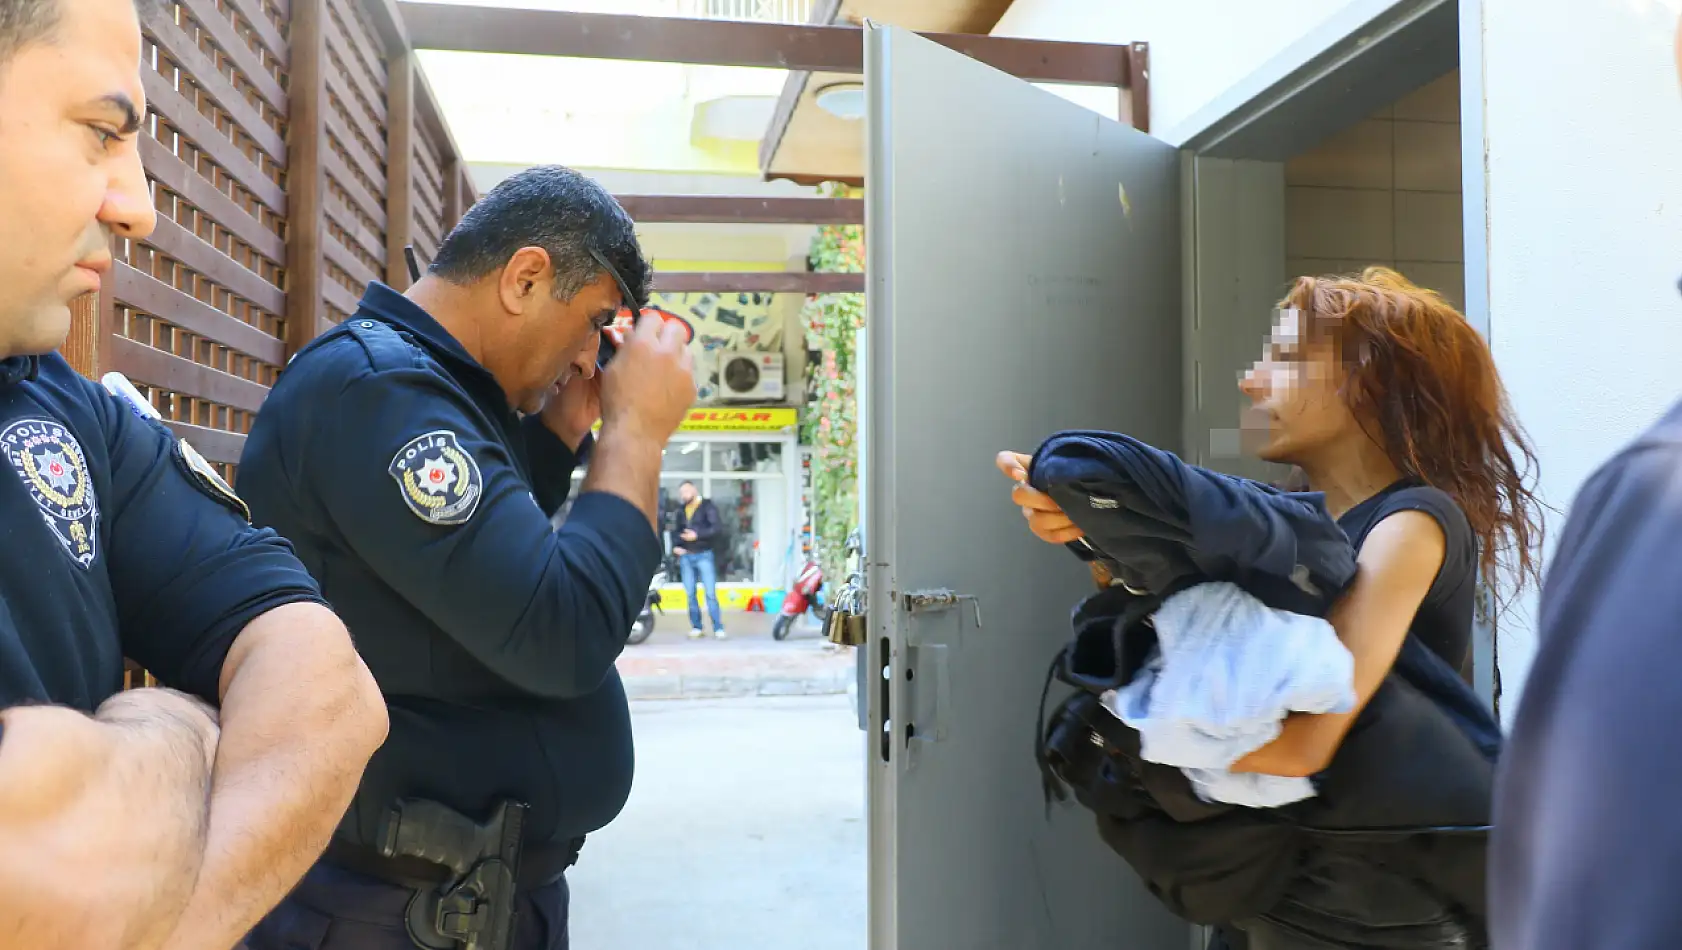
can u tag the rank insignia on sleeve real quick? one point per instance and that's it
(54, 470)
(441, 483)
(204, 475)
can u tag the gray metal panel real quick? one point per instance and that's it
(1013, 291)
(1237, 273)
(1474, 191)
(1370, 55)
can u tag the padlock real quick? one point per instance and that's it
(834, 629)
(852, 631)
(846, 622)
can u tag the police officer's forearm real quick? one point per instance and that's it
(301, 716)
(103, 820)
(626, 462)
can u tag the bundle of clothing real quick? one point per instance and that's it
(1211, 633)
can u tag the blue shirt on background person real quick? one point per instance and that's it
(1587, 831)
(415, 456)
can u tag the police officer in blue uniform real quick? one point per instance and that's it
(146, 818)
(414, 455)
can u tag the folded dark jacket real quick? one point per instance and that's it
(1415, 770)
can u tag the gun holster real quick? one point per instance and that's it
(473, 909)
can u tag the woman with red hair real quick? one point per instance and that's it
(1387, 402)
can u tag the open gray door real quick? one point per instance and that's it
(1023, 278)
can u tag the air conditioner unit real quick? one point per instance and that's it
(745, 376)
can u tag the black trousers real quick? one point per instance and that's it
(336, 909)
(1351, 901)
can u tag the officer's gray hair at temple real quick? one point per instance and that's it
(23, 22)
(567, 214)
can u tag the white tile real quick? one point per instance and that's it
(1427, 156)
(1358, 157)
(1446, 279)
(1327, 267)
(1339, 224)
(1436, 101)
(1429, 227)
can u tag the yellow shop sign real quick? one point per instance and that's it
(774, 419)
(738, 420)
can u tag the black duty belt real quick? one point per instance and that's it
(539, 864)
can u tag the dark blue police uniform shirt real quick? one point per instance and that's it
(112, 543)
(1587, 822)
(421, 502)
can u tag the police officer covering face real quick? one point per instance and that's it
(414, 454)
(146, 818)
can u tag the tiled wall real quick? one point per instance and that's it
(1384, 191)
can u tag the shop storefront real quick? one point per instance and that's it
(747, 461)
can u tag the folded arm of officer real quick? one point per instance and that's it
(146, 818)
(547, 611)
(180, 818)
(226, 612)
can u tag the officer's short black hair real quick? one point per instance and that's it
(567, 214)
(23, 22)
(686, 482)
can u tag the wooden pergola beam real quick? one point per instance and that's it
(742, 209)
(806, 47)
(733, 282)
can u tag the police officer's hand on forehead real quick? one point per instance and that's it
(650, 385)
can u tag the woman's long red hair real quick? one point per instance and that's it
(1423, 383)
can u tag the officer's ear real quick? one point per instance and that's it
(523, 278)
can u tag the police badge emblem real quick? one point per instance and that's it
(54, 470)
(440, 482)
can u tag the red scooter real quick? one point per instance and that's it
(805, 594)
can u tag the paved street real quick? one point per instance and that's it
(671, 666)
(745, 830)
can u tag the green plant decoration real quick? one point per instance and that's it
(831, 418)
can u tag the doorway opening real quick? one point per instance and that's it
(1385, 190)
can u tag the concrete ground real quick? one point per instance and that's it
(671, 666)
(745, 829)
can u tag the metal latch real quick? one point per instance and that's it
(928, 601)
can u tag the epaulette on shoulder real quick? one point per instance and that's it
(385, 346)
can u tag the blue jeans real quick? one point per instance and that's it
(702, 566)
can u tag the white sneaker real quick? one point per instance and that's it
(720, 635)
(697, 633)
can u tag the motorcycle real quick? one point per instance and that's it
(644, 626)
(805, 594)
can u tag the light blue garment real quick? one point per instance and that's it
(1227, 670)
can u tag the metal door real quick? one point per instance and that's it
(1024, 277)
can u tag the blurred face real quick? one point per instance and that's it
(687, 492)
(70, 177)
(1295, 408)
(551, 341)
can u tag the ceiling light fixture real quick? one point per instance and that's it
(844, 100)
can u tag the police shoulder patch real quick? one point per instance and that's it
(54, 469)
(203, 474)
(440, 482)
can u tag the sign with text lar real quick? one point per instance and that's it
(774, 419)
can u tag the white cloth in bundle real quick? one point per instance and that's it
(1227, 670)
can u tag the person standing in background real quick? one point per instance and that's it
(698, 527)
(1586, 826)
